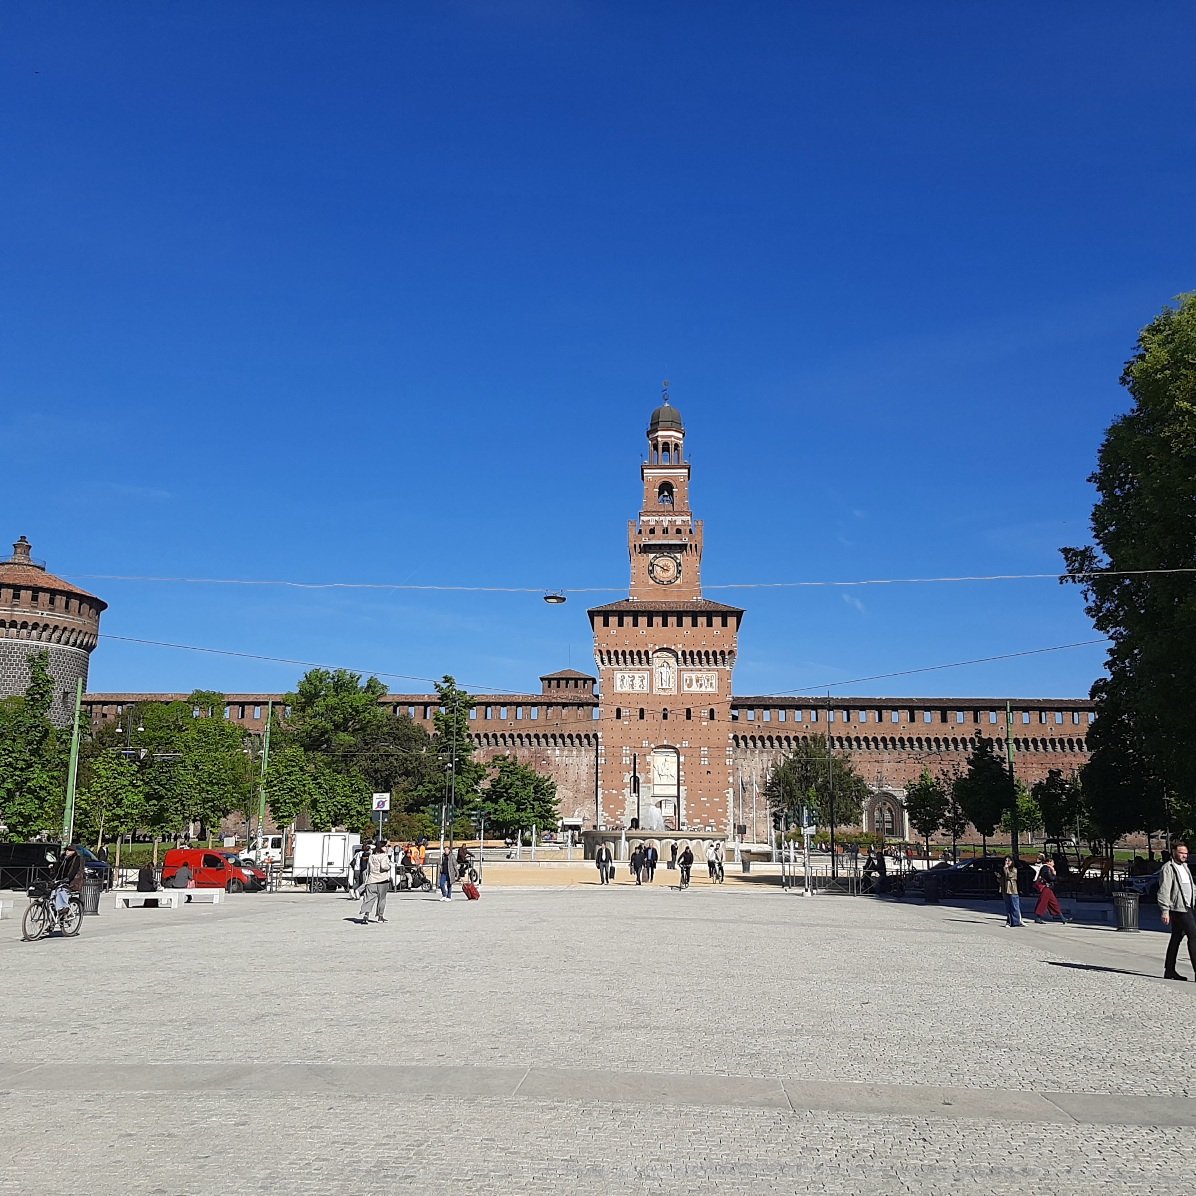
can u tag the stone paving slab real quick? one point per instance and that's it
(640, 1039)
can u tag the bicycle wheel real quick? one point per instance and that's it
(72, 918)
(36, 921)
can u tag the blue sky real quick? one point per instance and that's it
(384, 293)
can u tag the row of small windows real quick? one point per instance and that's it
(662, 620)
(664, 714)
(53, 601)
(994, 718)
(852, 743)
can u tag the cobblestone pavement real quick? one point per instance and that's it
(641, 1040)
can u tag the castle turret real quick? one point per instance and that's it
(42, 613)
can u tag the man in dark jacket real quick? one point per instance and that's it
(605, 862)
(69, 872)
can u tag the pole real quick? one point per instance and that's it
(1013, 828)
(635, 786)
(72, 775)
(481, 841)
(830, 784)
(261, 786)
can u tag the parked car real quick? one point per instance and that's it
(210, 869)
(979, 877)
(255, 877)
(1147, 887)
(25, 864)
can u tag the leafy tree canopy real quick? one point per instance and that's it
(926, 802)
(1144, 521)
(517, 798)
(814, 776)
(984, 792)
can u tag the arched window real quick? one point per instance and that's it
(664, 496)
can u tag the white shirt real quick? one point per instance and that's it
(1184, 879)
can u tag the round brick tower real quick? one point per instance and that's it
(42, 613)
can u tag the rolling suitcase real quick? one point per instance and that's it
(470, 890)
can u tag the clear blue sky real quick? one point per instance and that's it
(381, 292)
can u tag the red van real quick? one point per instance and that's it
(209, 869)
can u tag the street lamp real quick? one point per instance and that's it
(555, 598)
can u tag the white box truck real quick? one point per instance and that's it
(321, 859)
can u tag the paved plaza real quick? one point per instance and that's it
(592, 1039)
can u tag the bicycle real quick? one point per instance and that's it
(42, 919)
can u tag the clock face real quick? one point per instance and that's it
(664, 569)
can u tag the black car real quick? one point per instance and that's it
(979, 877)
(24, 864)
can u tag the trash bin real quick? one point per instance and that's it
(1125, 906)
(93, 886)
(746, 864)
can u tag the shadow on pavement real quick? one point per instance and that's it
(1096, 967)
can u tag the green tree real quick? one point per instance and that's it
(453, 747)
(814, 776)
(1059, 800)
(955, 822)
(984, 792)
(518, 797)
(339, 799)
(330, 710)
(1029, 814)
(290, 787)
(1138, 583)
(926, 803)
(32, 757)
(212, 775)
(114, 801)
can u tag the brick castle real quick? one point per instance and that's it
(660, 726)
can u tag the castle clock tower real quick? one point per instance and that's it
(665, 656)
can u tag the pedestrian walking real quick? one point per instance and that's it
(673, 854)
(448, 873)
(605, 863)
(1013, 901)
(651, 856)
(710, 860)
(377, 883)
(1048, 903)
(720, 869)
(1176, 908)
(361, 864)
(637, 864)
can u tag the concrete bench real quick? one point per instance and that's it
(165, 898)
(202, 896)
(6, 907)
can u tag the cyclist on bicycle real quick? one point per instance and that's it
(68, 878)
(685, 862)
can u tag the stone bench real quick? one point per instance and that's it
(164, 898)
(202, 896)
(6, 907)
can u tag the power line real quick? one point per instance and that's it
(740, 585)
(934, 668)
(307, 664)
(491, 689)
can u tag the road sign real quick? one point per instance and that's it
(381, 803)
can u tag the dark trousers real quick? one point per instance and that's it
(1183, 925)
(604, 873)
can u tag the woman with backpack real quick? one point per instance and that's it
(1048, 903)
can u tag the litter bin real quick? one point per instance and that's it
(93, 886)
(1125, 906)
(746, 864)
